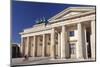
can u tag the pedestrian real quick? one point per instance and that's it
(25, 57)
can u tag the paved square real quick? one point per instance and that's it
(44, 60)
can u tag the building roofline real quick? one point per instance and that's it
(68, 10)
(87, 13)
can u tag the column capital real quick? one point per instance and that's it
(93, 20)
(64, 26)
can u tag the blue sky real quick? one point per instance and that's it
(24, 15)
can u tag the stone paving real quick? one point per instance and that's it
(44, 60)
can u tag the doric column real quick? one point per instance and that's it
(80, 43)
(52, 50)
(31, 45)
(64, 43)
(59, 45)
(26, 46)
(34, 46)
(85, 44)
(21, 47)
(93, 43)
(43, 48)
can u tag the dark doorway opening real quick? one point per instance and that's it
(88, 33)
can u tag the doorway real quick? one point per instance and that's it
(88, 33)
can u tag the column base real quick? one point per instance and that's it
(52, 58)
(58, 57)
(80, 58)
(63, 58)
(43, 56)
(93, 58)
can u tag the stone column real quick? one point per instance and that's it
(85, 44)
(34, 46)
(80, 43)
(64, 43)
(26, 46)
(93, 43)
(31, 44)
(59, 45)
(21, 47)
(43, 48)
(52, 48)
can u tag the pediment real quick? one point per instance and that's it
(71, 11)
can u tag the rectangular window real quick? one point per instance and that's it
(71, 33)
(72, 48)
(48, 43)
(40, 39)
